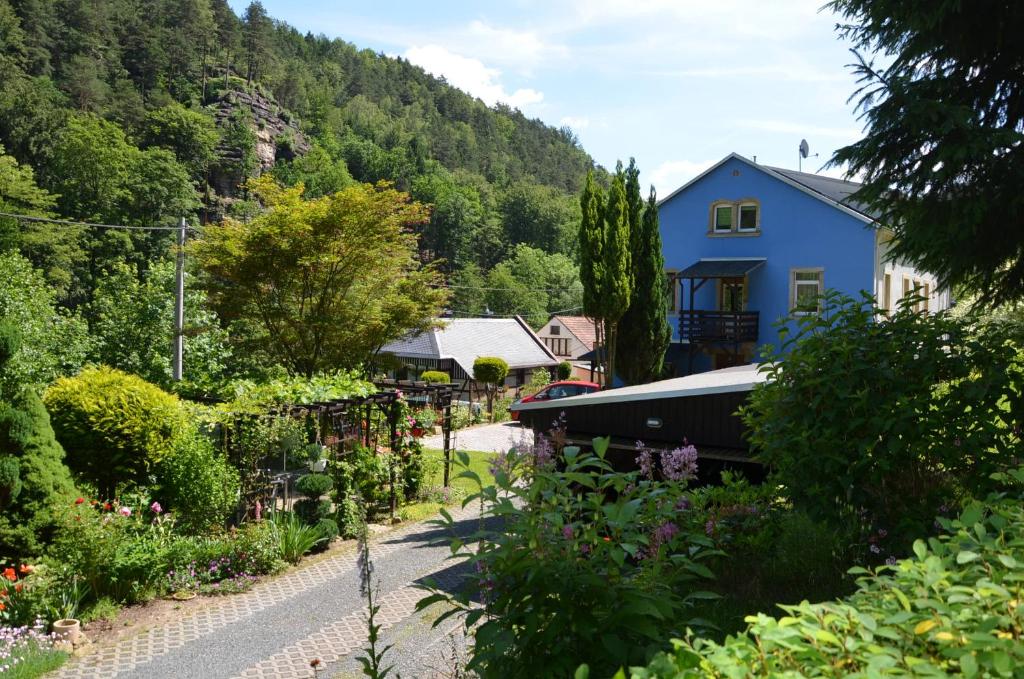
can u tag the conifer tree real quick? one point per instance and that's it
(615, 285)
(644, 330)
(591, 242)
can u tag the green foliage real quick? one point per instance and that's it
(533, 284)
(862, 430)
(294, 537)
(435, 377)
(320, 173)
(586, 562)
(328, 529)
(33, 472)
(314, 485)
(644, 332)
(198, 485)
(591, 239)
(344, 278)
(616, 269)
(949, 609)
(311, 510)
(490, 370)
(564, 370)
(942, 130)
(53, 341)
(539, 379)
(361, 473)
(254, 397)
(115, 427)
(190, 135)
(10, 480)
(133, 329)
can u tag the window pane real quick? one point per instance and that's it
(748, 217)
(723, 218)
(808, 276)
(806, 296)
(555, 330)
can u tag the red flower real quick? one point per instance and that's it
(25, 569)
(18, 587)
(79, 500)
(2, 607)
(107, 506)
(9, 574)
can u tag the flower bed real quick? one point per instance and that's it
(28, 651)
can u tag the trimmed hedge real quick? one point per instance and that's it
(953, 608)
(115, 427)
(435, 377)
(564, 370)
(490, 369)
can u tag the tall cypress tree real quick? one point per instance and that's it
(644, 332)
(615, 287)
(591, 240)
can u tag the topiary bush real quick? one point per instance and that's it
(198, 485)
(435, 377)
(312, 510)
(33, 464)
(564, 370)
(950, 609)
(314, 485)
(490, 371)
(328, 529)
(115, 427)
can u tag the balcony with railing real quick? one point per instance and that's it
(699, 327)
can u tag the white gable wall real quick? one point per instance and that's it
(564, 339)
(938, 300)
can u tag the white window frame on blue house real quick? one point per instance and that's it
(739, 217)
(795, 284)
(715, 228)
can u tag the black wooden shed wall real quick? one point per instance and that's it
(709, 421)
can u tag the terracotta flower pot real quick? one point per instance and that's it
(417, 432)
(68, 629)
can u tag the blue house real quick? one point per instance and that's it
(745, 244)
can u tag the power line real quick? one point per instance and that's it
(483, 287)
(68, 222)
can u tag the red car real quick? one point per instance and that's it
(559, 390)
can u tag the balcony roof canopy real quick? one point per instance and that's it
(721, 268)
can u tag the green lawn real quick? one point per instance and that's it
(434, 463)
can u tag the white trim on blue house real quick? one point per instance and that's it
(771, 173)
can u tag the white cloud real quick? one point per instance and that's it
(522, 50)
(672, 174)
(577, 123)
(470, 75)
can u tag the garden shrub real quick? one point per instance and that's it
(314, 485)
(564, 370)
(197, 484)
(348, 517)
(294, 538)
(362, 473)
(951, 608)
(311, 510)
(584, 562)
(29, 450)
(491, 372)
(114, 426)
(10, 480)
(435, 377)
(873, 425)
(328, 529)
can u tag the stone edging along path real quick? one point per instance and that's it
(277, 627)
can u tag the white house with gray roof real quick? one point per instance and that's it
(453, 347)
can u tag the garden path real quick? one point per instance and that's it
(489, 438)
(276, 628)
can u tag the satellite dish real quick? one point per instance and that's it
(804, 148)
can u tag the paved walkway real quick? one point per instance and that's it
(490, 438)
(277, 627)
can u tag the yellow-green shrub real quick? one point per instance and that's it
(114, 427)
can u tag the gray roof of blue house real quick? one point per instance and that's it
(466, 339)
(836, 190)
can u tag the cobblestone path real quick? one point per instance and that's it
(276, 628)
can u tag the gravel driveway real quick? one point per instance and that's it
(489, 438)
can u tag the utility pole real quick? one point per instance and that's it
(179, 303)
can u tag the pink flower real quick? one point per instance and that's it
(156, 508)
(567, 531)
(125, 511)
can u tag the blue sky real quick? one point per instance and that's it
(676, 83)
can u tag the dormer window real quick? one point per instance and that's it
(748, 217)
(723, 218)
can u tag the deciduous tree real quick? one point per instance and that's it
(327, 281)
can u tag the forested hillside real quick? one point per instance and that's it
(136, 112)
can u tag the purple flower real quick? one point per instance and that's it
(709, 527)
(543, 452)
(683, 504)
(156, 508)
(584, 548)
(882, 532)
(645, 460)
(679, 464)
(567, 531)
